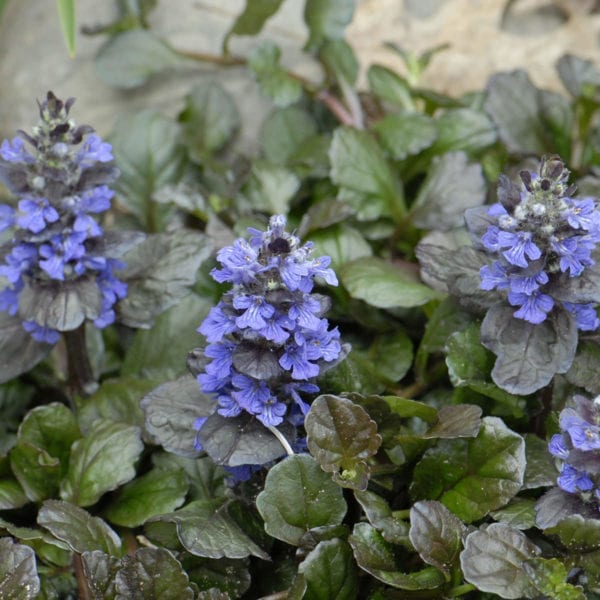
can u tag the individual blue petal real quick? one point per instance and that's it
(572, 480)
(581, 214)
(9, 298)
(527, 284)
(519, 246)
(228, 407)
(534, 307)
(88, 225)
(318, 268)
(277, 328)
(212, 382)
(250, 393)
(304, 310)
(222, 355)
(557, 446)
(96, 200)
(294, 359)
(21, 258)
(584, 436)
(490, 239)
(41, 334)
(585, 315)
(239, 263)
(493, 277)
(14, 151)
(198, 423)
(92, 151)
(256, 311)
(217, 324)
(272, 413)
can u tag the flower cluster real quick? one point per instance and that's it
(267, 337)
(539, 233)
(577, 449)
(60, 176)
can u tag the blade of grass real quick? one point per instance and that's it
(66, 14)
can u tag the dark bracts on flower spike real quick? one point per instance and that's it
(267, 336)
(60, 175)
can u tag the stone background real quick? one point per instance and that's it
(483, 37)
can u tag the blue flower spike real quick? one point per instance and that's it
(539, 235)
(268, 337)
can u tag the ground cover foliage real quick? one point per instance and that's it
(404, 409)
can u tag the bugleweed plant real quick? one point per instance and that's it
(361, 363)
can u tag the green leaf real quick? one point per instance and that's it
(19, 351)
(391, 87)
(18, 574)
(583, 372)
(273, 79)
(405, 134)
(11, 494)
(271, 188)
(252, 20)
(384, 285)
(41, 455)
(341, 64)
(205, 528)
(512, 103)
(159, 273)
(225, 574)
(462, 420)
(66, 14)
(452, 185)
(149, 154)
(473, 476)
(577, 533)
(464, 129)
(297, 497)
(80, 530)
(356, 373)
(171, 410)
(358, 164)
(469, 365)
(493, 561)
(549, 576)
(342, 243)
(380, 515)
(100, 462)
(342, 436)
(540, 470)
(392, 355)
(377, 557)
(580, 76)
(100, 571)
(128, 59)
(405, 407)
(326, 20)
(152, 573)
(330, 572)
(518, 513)
(116, 400)
(528, 355)
(209, 119)
(161, 352)
(436, 534)
(156, 492)
(283, 132)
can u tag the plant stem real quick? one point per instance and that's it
(282, 440)
(82, 587)
(81, 379)
(461, 590)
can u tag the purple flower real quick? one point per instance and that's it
(94, 150)
(41, 334)
(217, 324)
(228, 407)
(519, 246)
(21, 259)
(36, 213)
(534, 307)
(239, 263)
(7, 217)
(528, 284)
(572, 480)
(15, 152)
(575, 253)
(250, 393)
(585, 316)
(294, 359)
(494, 276)
(557, 446)
(256, 311)
(581, 214)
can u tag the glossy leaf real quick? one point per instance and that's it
(540, 470)
(330, 572)
(518, 513)
(209, 119)
(156, 492)
(358, 164)
(147, 148)
(377, 557)
(380, 516)
(493, 561)
(159, 273)
(100, 571)
(580, 76)
(583, 371)
(11, 494)
(130, 58)
(326, 19)
(464, 129)
(100, 462)
(206, 529)
(577, 533)
(20, 352)
(436, 534)
(549, 576)
(391, 87)
(297, 497)
(342, 437)
(152, 573)
(18, 574)
(271, 188)
(452, 185)
(512, 103)
(383, 285)
(171, 411)
(473, 476)
(405, 134)
(557, 505)
(528, 355)
(78, 528)
(462, 420)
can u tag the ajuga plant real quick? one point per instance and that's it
(532, 272)
(268, 340)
